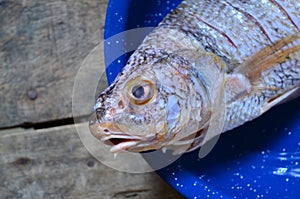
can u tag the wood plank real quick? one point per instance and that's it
(53, 163)
(42, 44)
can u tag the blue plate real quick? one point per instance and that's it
(258, 160)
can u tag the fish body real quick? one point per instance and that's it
(208, 67)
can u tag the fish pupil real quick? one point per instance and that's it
(138, 92)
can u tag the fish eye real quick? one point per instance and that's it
(141, 93)
(138, 91)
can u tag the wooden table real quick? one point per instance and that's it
(42, 44)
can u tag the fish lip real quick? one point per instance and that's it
(110, 130)
(124, 146)
(118, 136)
(121, 143)
(121, 137)
(110, 133)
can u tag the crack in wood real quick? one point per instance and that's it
(22, 161)
(130, 193)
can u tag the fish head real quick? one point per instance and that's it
(164, 104)
(146, 108)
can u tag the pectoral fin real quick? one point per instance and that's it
(246, 78)
(269, 57)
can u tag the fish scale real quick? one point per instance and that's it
(235, 22)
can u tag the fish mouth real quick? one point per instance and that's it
(112, 135)
(120, 143)
(129, 143)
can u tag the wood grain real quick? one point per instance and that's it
(42, 44)
(53, 163)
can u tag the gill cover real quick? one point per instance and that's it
(211, 71)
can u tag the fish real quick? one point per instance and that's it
(207, 68)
